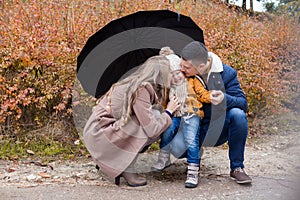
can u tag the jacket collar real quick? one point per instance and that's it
(217, 65)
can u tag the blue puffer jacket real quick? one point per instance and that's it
(227, 82)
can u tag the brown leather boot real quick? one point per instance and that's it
(132, 178)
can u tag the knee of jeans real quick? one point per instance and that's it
(237, 114)
(191, 143)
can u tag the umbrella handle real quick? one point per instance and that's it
(178, 18)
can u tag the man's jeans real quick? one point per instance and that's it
(188, 127)
(235, 131)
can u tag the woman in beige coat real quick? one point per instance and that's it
(125, 121)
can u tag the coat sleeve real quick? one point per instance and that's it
(234, 95)
(202, 94)
(152, 121)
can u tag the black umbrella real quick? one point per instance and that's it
(127, 42)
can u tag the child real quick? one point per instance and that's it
(190, 93)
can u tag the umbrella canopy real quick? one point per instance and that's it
(127, 42)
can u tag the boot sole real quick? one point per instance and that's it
(159, 170)
(136, 185)
(190, 185)
(241, 182)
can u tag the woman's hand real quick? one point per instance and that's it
(173, 104)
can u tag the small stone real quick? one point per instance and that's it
(80, 174)
(31, 177)
(30, 152)
(44, 175)
(77, 142)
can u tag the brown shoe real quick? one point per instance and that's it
(240, 176)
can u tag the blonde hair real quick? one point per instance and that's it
(155, 71)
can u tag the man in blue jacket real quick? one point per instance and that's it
(225, 119)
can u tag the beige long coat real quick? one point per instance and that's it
(114, 147)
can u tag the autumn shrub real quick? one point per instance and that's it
(40, 42)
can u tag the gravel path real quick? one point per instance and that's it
(273, 163)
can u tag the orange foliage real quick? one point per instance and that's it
(40, 41)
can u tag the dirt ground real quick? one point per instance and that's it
(272, 160)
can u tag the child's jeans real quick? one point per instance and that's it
(189, 126)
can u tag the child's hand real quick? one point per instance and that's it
(173, 104)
